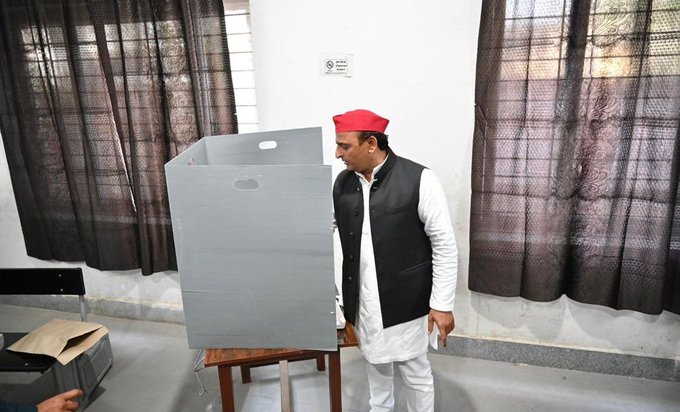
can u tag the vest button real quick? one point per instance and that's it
(349, 278)
(355, 213)
(358, 189)
(351, 235)
(351, 257)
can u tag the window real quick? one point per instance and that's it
(98, 97)
(237, 18)
(574, 180)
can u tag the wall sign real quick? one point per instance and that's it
(336, 65)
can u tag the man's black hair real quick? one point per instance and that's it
(380, 137)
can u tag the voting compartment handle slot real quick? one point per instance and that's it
(246, 184)
(267, 145)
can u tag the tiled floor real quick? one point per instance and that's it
(152, 371)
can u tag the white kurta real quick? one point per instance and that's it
(406, 340)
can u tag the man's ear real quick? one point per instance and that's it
(372, 144)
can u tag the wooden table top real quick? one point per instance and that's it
(232, 357)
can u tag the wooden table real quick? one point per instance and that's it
(225, 359)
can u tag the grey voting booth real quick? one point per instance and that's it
(252, 222)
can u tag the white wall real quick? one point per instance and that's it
(414, 62)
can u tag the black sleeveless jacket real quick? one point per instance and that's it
(403, 253)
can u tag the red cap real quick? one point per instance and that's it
(359, 121)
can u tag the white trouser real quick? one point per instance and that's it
(417, 376)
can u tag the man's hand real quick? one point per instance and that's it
(61, 403)
(445, 322)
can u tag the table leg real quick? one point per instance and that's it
(245, 374)
(226, 388)
(335, 381)
(285, 386)
(321, 362)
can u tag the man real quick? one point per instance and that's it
(399, 258)
(64, 402)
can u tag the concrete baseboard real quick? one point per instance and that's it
(563, 358)
(117, 309)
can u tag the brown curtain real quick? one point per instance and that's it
(576, 149)
(97, 95)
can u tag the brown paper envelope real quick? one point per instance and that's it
(61, 339)
(79, 345)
